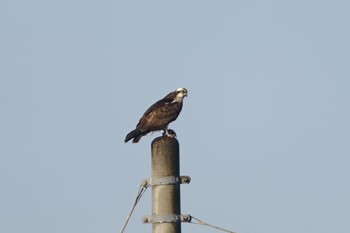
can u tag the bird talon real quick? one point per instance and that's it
(169, 133)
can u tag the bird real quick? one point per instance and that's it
(159, 116)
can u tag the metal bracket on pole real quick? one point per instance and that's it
(168, 180)
(167, 218)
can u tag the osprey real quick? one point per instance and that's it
(159, 115)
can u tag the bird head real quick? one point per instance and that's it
(181, 92)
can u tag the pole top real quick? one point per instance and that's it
(164, 140)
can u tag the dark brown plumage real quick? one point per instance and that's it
(159, 115)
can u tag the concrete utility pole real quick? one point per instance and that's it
(165, 182)
(166, 198)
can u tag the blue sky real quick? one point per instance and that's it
(264, 132)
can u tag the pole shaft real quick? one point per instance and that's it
(166, 198)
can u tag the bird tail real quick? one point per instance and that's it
(135, 134)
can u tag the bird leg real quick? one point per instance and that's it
(166, 132)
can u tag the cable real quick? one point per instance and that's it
(142, 190)
(200, 222)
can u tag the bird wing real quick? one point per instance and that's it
(159, 115)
